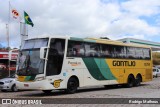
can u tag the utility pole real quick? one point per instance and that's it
(8, 39)
(7, 29)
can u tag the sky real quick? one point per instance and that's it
(115, 19)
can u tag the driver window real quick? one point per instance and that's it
(55, 57)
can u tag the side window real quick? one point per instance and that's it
(119, 51)
(57, 46)
(112, 51)
(106, 50)
(130, 52)
(139, 53)
(92, 50)
(55, 57)
(75, 49)
(146, 53)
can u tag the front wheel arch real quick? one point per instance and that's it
(72, 84)
(14, 88)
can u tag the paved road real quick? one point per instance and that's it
(146, 90)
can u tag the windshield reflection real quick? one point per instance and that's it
(30, 63)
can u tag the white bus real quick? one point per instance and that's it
(66, 63)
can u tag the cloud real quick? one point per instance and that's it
(132, 26)
(85, 18)
(3, 31)
(141, 7)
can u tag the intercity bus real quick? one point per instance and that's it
(67, 63)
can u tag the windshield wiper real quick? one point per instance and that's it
(28, 62)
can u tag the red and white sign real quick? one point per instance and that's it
(16, 15)
(4, 55)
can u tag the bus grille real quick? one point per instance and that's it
(148, 74)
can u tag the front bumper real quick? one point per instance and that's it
(35, 85)
(6, 86)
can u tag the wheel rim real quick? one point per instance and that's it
(15, 88)
(138, 81)
(130, 82)
(72, 86)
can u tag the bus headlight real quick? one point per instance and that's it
(39, 78)
(8, 81)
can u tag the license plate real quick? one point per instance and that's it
(26, 85)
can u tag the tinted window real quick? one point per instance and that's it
(131, 52)
(119, 52)
(35, 43)
(92, 50)
(106, 51)
(139, 53)
(146, 53)
(55, 57)
(86, 49)
(75, 49)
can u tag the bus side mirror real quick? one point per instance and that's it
(43, 51)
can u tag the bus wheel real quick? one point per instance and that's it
(131, 81)
(138, 80)
(72, 85)
(47, 91)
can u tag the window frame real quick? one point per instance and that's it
(110, 56)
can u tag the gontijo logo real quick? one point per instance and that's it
(56, 83)
(123, 63)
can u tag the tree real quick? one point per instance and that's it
(8, 48)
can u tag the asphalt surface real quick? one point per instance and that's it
(146, 90)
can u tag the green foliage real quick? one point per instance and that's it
(156, 58)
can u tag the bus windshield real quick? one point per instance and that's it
(29, 62)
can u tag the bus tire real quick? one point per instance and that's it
(72, 85)
(130, 81)
(138, 80)
(47, 91)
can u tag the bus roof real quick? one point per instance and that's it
(48, 36)
(107, 41)
(93, 40)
